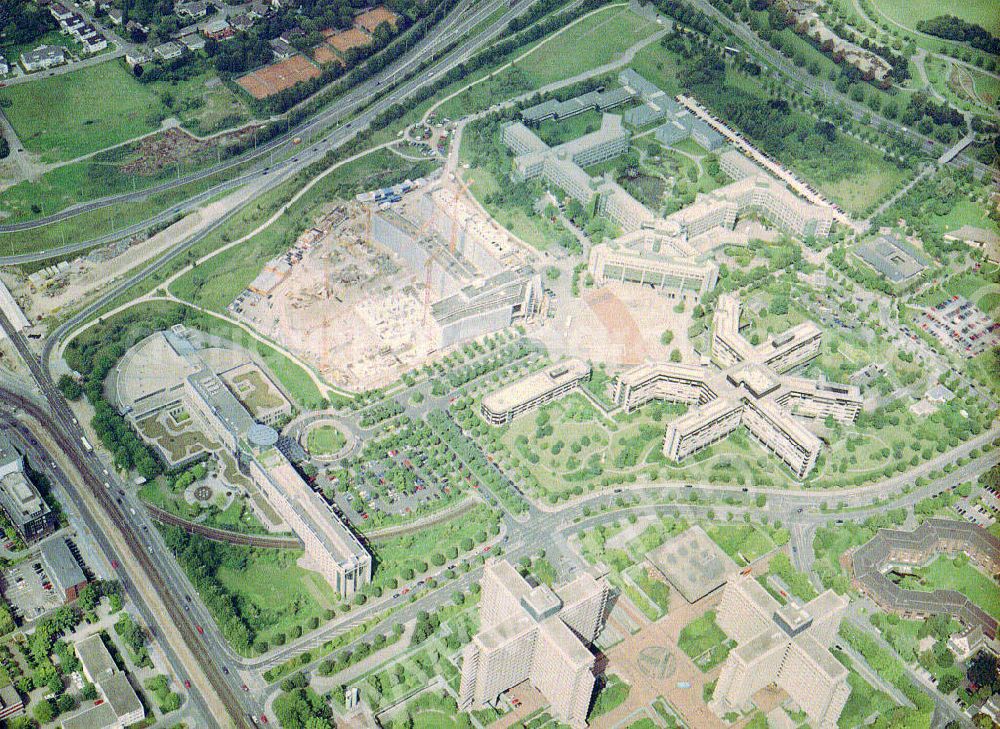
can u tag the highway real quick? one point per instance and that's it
(374, 95)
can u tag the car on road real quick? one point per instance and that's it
(201, 630)
(187, 683)
(245, 687)
(263, 718)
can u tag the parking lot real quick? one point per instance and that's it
(29, 590)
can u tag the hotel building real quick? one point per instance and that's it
(786, 645)
(536, 634)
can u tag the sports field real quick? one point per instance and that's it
(277, 77)
(908, 13)
(57, 117)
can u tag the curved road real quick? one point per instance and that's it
(370, 94)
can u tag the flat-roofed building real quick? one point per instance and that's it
(488, 305)
(751, 390)
(780, 433)
(533, 390)
(693, 563)
(787, 645)
(20, 499)
(62, 568)
(700, 428)
(780, 352)
(675, 277)
(11, 702)
(753, 191)
(892, 257)
(592, 100)
(538, 634)
(120, 706)
(330, 547)
(670, 381)
(819, 399)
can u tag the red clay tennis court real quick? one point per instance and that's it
(277, 77)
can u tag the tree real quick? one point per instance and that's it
(666, 338)
(675, 355)
(44, 711)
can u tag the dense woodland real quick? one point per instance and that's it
(956, 29)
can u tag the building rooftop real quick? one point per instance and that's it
(61, 565)
(97, 661)
(120, 695)
(336, 538)
(693, 563)
(894, 258)
(535, 385)
(101, 716)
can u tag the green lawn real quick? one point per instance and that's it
(275, 593)
(704, 642)
(592, 42)
(556, 131)
(908, 13)
(57, 116)
(946, 573)
(610, 695)
(743, 542)
(65, 116)
(431, 711)
(324, 440)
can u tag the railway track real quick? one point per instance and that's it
(72, 448)
(222, 535)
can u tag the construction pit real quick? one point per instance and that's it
(373, 290)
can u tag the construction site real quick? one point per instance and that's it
(388, 282)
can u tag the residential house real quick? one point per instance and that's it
(241, 22)
(258, 9)
(43, 57)
(137, 57)
(192, 41)
(94, 43)
(194, 9)
(281, 49)
(115, 16)
(60, 12)
(168, 50)
(218, 29)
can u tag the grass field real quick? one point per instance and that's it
(908, 13)
(276, 592)
(58, 117)
(535, 230)
(324, 440)
(743, 542)
(945, 573)
(704, 642)
(592, 42)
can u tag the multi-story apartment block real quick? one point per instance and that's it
(537, 634)
(533, 391)
(750, 390)
(752, 191)
(669, 381)
(787, 645)
(672, 276)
